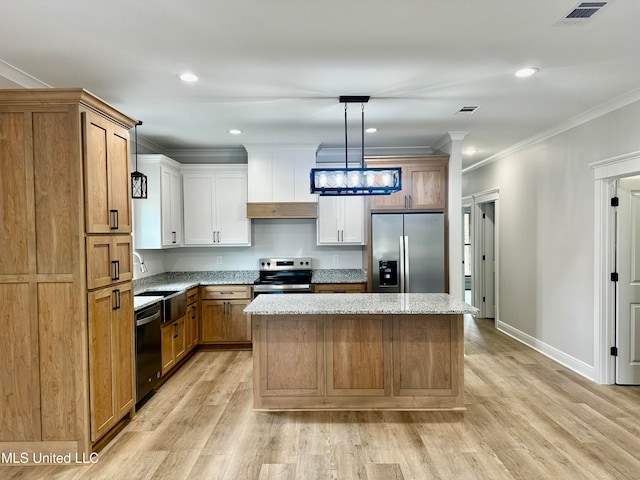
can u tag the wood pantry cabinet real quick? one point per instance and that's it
(107, 181)
(158, 218)
(215, 200)
(109, 260)
(64, 178)
(424, 183)
(111, 348)
(223, 320)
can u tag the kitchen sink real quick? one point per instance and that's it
(174, 303)
(157, 293)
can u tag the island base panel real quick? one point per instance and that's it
(358, 362)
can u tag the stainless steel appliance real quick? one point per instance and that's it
(283, 275)
(408, 252)
(148, 350)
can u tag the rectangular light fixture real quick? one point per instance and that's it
(355, 181)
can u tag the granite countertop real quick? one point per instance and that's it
(186, 280)
(364, 303)
(344, 275)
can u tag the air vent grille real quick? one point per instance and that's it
(582, 12)
(467, 109)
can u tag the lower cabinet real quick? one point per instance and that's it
(223, 320)
(193, 319)
(174, 343)
(339, 288)
(111, 356)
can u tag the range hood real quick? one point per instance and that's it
(278, 181)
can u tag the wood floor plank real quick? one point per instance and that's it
(281, 471)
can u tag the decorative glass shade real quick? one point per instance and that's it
(355, 181)
(138, 184)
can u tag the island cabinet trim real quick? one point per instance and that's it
(358, 362)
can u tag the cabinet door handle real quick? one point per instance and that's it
(174, 237)
(193, 313)
(113, 219)
(342, 235)
(116, 270)
(177, 327)
(116, 296)
(218, 236)
(410, 201)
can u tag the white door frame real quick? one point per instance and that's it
(474, 200)
(605, 173)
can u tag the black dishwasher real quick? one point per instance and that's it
(148, 350)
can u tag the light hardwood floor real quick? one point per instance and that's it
(527, 418)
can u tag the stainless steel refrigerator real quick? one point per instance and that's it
(408, 252)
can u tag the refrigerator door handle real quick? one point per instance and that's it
(407, 287)
(402, 266)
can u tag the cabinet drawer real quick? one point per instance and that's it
(340, 288)
(228, 292)
(192, 295)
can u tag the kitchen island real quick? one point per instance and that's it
(371, 351)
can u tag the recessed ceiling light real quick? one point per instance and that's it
(526, 72)
(371, 130)
(471, 150)
(235, 131)
(188, 77)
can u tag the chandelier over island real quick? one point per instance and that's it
(355, 181)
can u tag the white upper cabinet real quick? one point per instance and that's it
(280, 173)
(214, 200)
(340, 220)
(158, 218)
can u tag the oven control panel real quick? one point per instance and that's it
(283, 264)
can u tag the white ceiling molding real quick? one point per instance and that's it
(596, 112)
(149, 145)
(19, 77)
(373, 151)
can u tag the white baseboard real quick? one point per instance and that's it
(578, 366)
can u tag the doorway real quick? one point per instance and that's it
(481, 247)
(626, 317)
(607, 302)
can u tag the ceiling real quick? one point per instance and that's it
(275, 68)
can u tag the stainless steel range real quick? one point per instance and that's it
(283, 275)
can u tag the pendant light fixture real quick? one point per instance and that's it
(355, 181)
(138, 180)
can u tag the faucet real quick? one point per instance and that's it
(143, 267)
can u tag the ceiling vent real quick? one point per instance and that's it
(467, 109)
(582, 13)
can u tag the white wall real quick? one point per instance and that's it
(270, 238)
(546, 231)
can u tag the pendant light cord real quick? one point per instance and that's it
(362, 124)
(135, 130)
(346, 150)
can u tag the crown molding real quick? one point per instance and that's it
(19, 77)
(596, 112)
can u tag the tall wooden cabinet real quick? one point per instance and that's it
(66, 298)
